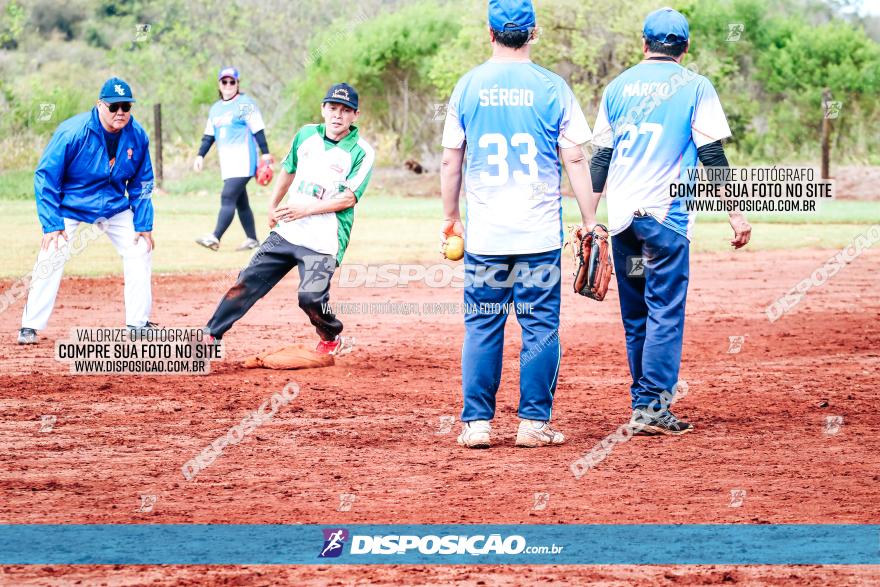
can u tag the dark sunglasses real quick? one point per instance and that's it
(228, 82)
(126, 106)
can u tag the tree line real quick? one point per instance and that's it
(770, 62)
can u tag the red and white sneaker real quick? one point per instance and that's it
(341, 345)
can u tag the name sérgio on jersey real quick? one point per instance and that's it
(496, 96)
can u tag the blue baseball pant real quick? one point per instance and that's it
(531, 284)
(652, 299)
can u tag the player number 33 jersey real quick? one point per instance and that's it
(513, 117)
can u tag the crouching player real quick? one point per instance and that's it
(328, 167)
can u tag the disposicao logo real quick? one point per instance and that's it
(334, 540)
(431, 544)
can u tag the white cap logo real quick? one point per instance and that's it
(118, 89)
(341, 93)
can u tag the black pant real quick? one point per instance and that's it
(274, 259)
(234, 197)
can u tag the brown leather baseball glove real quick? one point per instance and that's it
(592, 258)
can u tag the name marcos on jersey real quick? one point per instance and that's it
(496, 96)
(662, 89)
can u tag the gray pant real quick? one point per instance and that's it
(272, 261)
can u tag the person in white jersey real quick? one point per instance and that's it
(512, 121)
(655, 121)
(324, 176)
(236, 125)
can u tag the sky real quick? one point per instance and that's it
(870, 7)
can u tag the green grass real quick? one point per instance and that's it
(207, 182)
(17, 185)
(387, 229)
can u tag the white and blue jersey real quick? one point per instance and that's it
(512, 116)
(655, 116)
(233, 124)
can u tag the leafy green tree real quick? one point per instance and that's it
(771, 79)
(406, 57)
(12, 20)
(387, 59)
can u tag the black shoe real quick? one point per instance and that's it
(27, 336)
(644, 423)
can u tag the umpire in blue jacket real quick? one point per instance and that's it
(95, 170)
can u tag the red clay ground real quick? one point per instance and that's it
(369, 426)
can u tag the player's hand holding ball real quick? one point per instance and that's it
(451, 241)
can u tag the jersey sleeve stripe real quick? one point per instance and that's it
(363, 169)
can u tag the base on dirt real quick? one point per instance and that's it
(289, 357)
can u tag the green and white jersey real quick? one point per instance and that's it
(324, 169)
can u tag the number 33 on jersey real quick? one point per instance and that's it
(512, 117)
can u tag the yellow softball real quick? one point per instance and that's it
(454, 248)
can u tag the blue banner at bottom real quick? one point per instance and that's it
(454, 544)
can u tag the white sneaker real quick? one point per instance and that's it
(475, 434)
(209, 241)
(534, 433)
(248, 245)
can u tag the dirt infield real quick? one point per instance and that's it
(372, 426)
(471, 576)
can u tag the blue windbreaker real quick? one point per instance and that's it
(74, 178)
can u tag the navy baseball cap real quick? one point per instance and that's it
(228, 72)
(666, 26)
(115, 90)
(511, 15)
(342, 94)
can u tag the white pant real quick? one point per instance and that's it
(136, 263)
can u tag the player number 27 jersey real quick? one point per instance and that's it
(655, 116)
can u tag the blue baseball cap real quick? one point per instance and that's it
(115, 90)
(228, 72)
(666, 26)
(342, 94)
(511, 15)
